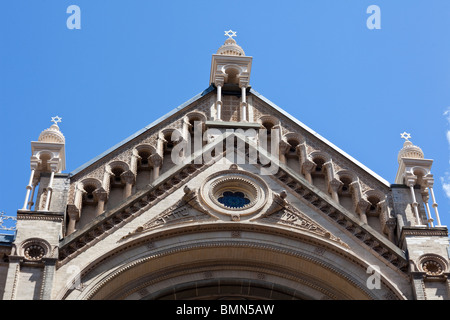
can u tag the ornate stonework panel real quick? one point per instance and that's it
(181, 212)
(293, 218)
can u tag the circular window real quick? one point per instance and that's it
(232, 192)
(433, 265)
(432, 268)
(34, 252)
(34, 249)
(232, 199)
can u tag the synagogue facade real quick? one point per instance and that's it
(227, 196)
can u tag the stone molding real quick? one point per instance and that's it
(423, 232)
(269, 247)
(43, 216)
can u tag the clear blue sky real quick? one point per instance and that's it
(133, 61)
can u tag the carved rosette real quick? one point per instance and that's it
(433, 265)
(35, 249)
(34, 252)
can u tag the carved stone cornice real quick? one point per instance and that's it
(40, 215)
(423, 232)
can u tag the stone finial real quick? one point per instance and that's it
(230, 47)
(409, 150)
(52, 134)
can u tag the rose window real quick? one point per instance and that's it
(34, 252)
(234, 194)
(432, 268)
(233, 199)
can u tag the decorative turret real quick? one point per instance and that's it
(414, 171)
(52, 135)
(48, 157)
(231, 48)
(230, 70)
(409, 150)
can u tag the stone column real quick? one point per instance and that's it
(187, 137)
(30, 201)
(156, 161)
(425, 198)
(29, 186)
(329, 170)
(243, 103)
(74, 215)
(128, 177)
(361, 209)
(429, 183)
(49, 191)
(283, 147)
(106, 180)
(307, 167)
(219, 103)
(435, 205)
(410, 183)
(335, 184)
(101, 195)
(300, 150)
(134, 161)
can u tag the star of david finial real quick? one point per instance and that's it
(405, 136)
(56, 119)
(230, 33)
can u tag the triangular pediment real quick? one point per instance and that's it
(187, 210)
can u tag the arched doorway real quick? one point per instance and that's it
(229, 260)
